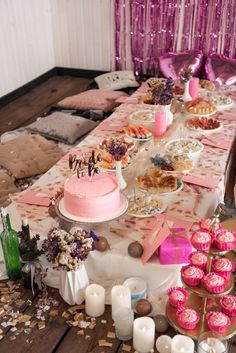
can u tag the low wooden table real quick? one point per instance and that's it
(57, 336)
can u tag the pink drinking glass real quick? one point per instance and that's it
(160, 124)
(194, 87)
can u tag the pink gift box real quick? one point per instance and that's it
(175, 249)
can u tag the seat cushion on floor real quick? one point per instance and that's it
(29, 155)
(94, 99)
(117, 80)
(62, 127)
(7, 187)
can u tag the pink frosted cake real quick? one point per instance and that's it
(192, 275)
(223, 267)
(225, 240)
(201, 239)
(209, 225)
(177, 296)
(92, 197)
(228, 305)
(187, 318)
(217, 321)
(198, 259)
(214, 283)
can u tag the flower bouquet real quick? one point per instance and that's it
(67, 252)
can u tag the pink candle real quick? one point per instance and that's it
(194, 87)
(160, 123)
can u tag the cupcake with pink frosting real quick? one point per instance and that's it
(228, 305)
(198, 259)
(209, 225)
(201, 239)
(223, 267)
(225, 240)
(187, 318)
(177, 296)
(217, 321)
(214, 283)
(192, 275)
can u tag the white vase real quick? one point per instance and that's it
(186, 96)
(169, 114)
(119, 176)
(73, 285)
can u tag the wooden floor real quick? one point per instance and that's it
(26, 109)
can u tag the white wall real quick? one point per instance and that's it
(83, 33)
(26, 42)
(37, 35)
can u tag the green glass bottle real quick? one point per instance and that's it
(10, 247)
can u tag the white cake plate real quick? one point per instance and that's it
(62, 212)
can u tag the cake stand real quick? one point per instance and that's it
(203, 301)
(64, 215)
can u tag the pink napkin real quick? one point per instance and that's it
(144, 86)
(221, 143)
(227, 116)
(73, 151)
(111, 126)
(205, 181)
(127, 100)
(35, 197)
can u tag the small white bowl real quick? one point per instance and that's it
(137, 286)
(192, 155)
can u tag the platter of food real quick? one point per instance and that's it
(108, 162)
(141, 117)
(206, 85)
(145, 207)
(187, 146)
(157, 182)
(222, 102)
(202, 123)
(138, 133)
(200, 106)
(173, 164)
(104, 144)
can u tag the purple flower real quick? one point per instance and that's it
(117, 149)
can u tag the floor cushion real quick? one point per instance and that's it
(117, 80)
(62, 127)
(28, 155)
(7, 187)
(97, 99)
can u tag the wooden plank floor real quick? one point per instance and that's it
(25, 109)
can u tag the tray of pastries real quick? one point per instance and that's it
(207, 85)
(200, 106)
(156, 181)
(204, 124)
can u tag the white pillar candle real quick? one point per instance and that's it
(143, 334)
(211, 345)
(163, 344)
(94, 300)
(182, 344)
(124, 318)
(120, 298)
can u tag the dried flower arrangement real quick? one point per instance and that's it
(117, 149)
(160, 91)
(185, 74)
(67, 251)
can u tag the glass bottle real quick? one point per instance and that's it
(10, 247)
(24, 235)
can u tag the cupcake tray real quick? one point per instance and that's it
(195, 301)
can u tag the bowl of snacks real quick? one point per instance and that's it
(144, 118)
(173, 164)
(185, 146)
(203, 124)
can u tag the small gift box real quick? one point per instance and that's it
(175, 249)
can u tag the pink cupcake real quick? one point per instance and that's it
(192, 275)
(209, 225)
(225, 240)
(217, 321)
(228, 305)
(201, 239)
(223, 267)
(177, 296)
(198, 259)
(214, 283)
(187, 318)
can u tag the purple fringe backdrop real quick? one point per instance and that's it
(145, 29)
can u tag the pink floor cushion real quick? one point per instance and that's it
(7, 187)
(94, 99)
(220, 69)
(28, 155)
(62, 127)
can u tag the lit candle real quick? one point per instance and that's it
(163, 344)
(123, 318)
(120, 298)
(94, 300)
(182, 344)
(212, 345)
(143, 334)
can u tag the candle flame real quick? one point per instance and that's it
(182, 349)
(95, 294)
(121, 295)
(144, 329)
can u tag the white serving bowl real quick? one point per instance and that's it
(172, 147)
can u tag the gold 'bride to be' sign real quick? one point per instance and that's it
(80, 164)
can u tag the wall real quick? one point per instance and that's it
(83, 33)
(26, 42)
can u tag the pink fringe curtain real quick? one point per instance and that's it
(145, 29)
